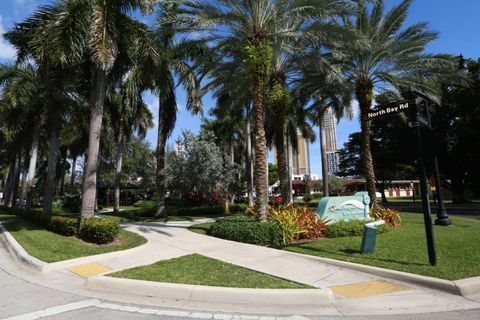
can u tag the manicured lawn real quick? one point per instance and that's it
(404, 249)
(199, 270)
(201, 228)
(50, 247)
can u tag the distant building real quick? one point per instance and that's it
(301, 157)
(330, 126)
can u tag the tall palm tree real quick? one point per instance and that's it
(178, 64)
(100, 31)
(390, 55)
(250, 27)
(128, 114)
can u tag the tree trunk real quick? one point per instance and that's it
(161, 142)
(16, 178)
(260, 147)
(382, 191)
(97, 100)
(62, 176)
(364, 94)
(9, 184)
(72, 176)
(323, 153)
(31, 170)
(281, 153)
(118, 168)
(49, 191)
(24, 181)
(248, 157)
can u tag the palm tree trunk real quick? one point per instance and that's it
(62, 176)
(97, 100)
(23, 192)
(323, 153)
(281, 153)
(364, 94)
(72, 176)
(260, 147)
(49, 191)
(31, 170)
(9, 184)
(16, 178)
(161, 142)
(248, 156)
(118, 168)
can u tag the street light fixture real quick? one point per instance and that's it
(462, 64)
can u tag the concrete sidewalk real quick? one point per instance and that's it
(371, 294)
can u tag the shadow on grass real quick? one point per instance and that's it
(353, 253)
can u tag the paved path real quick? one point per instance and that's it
(173, 240)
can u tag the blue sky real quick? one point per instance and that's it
(457, 21)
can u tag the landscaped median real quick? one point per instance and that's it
(402, 248)
(50, 247)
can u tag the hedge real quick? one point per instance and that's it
(350, 228)
(246, 229)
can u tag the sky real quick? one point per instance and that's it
(458, 22)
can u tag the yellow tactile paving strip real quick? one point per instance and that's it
(89, 270)
(368, 288)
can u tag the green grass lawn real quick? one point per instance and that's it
(199, 270)
(50, 247)
(405, 249)
(201, 228)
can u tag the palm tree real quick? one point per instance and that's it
(250, 27)
(129, 114)
(389, 56)
(101, 32)
(178, 64)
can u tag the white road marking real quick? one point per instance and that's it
(162, 312)
(56, 310)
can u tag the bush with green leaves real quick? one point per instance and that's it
(351, 228)
(145, 204)
(72, 202)
(317, 195)
(243, 228)
(99, 231)
(307, 198)
(63, 225)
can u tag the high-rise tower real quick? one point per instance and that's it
(330, 127)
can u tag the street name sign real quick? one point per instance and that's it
(392, 108)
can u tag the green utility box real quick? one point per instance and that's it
(370, 237)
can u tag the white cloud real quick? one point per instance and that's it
(7, 51)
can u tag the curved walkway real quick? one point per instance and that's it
(169, 240)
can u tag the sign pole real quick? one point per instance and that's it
(432, 256)
(442, 215)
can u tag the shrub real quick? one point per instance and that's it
(297, 222)
(99, 231)
(72, 202)
(310, 224)
(145, 204)
(284, 216)
(238, 207)
(350, 228)
(63, 225)
(317, 195)
(307, 198)
(390, 216)
(243, 228)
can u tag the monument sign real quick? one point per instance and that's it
(354, 207)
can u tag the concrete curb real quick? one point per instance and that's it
(424, 281)
(17, 251)
(468, 287)
(294, 298)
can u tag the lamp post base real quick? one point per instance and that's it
(442, 218)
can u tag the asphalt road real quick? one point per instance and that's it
(24, 300)
(468, 211)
